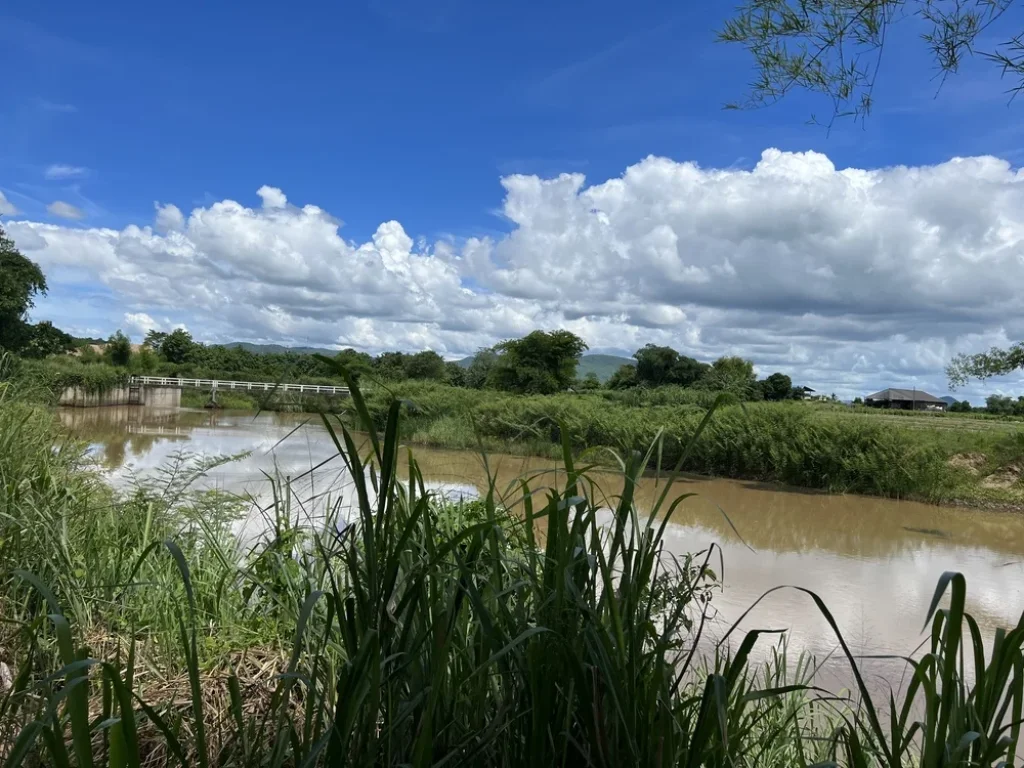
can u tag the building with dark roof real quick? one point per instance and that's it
(905, 399)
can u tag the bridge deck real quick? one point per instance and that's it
(247, 386)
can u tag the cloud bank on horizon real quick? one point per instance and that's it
(847, 279)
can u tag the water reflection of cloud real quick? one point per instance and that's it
(453, 491)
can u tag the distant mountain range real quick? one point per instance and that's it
(602, 365)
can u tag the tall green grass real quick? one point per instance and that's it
(779, 442)
(46, 379)
(535, 627)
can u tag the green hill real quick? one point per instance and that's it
(603, 365)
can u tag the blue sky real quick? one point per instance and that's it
(414, 112)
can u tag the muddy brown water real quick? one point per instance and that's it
(875, 562)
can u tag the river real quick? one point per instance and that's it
(875, 562)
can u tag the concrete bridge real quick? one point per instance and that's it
(165, 392)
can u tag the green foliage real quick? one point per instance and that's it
(146, 361)
(44, 339)
(118, 350)
(733, 375)
(834, 47)
(455, 375)
(21, 281)
(776, 387)
(589, 383)
(479, 372)
(177, 346)
(52, 376)
(425, 365)
(623, 378)
(985, 365)
(657, 366)
(1002, 405)
(154, 339)
(390, 366)
(358, 363)
(963, 406)
(542, 362)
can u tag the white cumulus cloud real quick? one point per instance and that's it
(272, 197)
(65, 210)
(169, 218)
(847, 279)
(140, 322)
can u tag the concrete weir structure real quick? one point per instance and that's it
(130, 394)
(165, 392)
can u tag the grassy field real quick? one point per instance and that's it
(137, 631)
(802, 444)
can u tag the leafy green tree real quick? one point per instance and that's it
(623, 378)
(89, 355)
(654, 364)
(778, 386)
(589, 383)
(21, 281)
(985, 365)
(455, 375)
(45, 339)
(999, 404)
(542, 362)
(154, 339)
(964, 406)
(858, 401)
(118, 350)
(688, 371)
(146, 361)
(177, 347)
(479, 372)
(834, 47)
(425, 365)
(390, 366)
(657, 366)
(358, 363)
(730, 374)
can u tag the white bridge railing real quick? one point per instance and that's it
(246, 386)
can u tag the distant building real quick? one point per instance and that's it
(905, 399)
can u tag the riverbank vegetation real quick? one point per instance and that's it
(969, 458)
(538, 626)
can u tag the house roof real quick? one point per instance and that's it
(918, 395)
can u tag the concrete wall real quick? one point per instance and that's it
(160, 397)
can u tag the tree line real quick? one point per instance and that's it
(658, 366)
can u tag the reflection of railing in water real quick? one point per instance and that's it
(144, 429)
